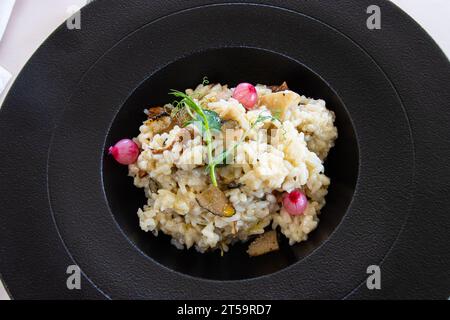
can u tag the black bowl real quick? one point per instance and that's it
(229, 66)
(85, 89)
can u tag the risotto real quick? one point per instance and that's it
(224, 165)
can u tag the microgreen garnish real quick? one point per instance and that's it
(212, 117)
(206, 120)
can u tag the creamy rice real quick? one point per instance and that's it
(292, 158)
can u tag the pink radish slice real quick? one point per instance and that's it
(295, 202)
(125, 151)
(246, 94)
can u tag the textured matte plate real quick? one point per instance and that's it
(391, 81)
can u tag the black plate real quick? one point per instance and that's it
(64, 203)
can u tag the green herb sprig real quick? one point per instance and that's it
(206, 120)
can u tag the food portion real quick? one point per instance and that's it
(215, 201)
(265, 243)
(221, 165)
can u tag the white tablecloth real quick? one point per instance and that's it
(33, 21)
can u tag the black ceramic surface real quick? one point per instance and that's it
(84, 89)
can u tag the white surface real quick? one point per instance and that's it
(33, 21)
(433, 16)
(6, 7)
(4, 78)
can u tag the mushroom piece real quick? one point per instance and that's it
(279, 102)
(281, 87)
(156, 113)
(234, 185)
(265, 243)
(153, 185)
(158, 120)
(215, 201)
